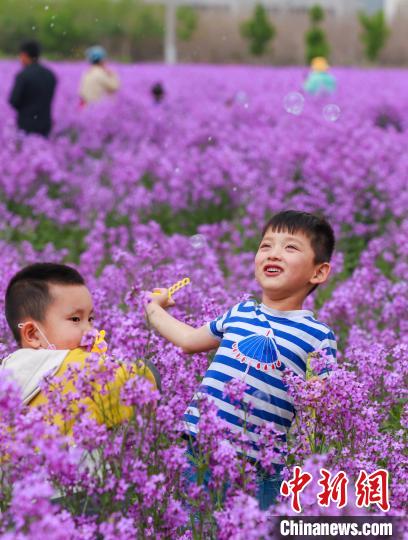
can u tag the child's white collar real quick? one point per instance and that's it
(287, 314)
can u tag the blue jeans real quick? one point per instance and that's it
(267, 485)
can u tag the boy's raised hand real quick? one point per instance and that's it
(182, 335)
(161, 297)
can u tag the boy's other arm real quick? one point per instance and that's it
(190, 339)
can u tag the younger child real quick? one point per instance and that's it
(49, 309)
(256, 342)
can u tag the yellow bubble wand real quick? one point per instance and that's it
(176, 287)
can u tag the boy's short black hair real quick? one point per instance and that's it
(31, 48)
(316, 228)
(28, 294)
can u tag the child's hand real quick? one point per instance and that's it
(161, 298)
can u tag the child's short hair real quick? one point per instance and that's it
(317, 229)
(28, 293)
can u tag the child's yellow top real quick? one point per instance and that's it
(106, 406)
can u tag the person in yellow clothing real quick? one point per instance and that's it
(49, 310)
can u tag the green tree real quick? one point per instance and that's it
(316, 14)
(258, 31)
(187, 22)
(315, 37)
(375, 33)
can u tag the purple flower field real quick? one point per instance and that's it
(139, 195)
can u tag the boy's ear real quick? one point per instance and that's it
(321, 273)
(29, 336)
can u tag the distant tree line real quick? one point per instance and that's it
(259, 31)
(66, 28)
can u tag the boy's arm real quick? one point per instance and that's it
(190, 339)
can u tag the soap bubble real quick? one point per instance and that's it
(293, 103)
(241, 97)
(262, 396)
(198, 241)
(331, 112)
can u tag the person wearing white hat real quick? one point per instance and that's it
(99, 80)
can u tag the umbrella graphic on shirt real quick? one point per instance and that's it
(260, 348)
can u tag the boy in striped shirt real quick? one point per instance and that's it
(256, 342)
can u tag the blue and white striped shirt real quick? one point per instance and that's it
(256, 344)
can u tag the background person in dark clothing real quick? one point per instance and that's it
(158, 92)
(33, 92)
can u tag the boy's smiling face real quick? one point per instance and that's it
(286, 270)
(68, 317)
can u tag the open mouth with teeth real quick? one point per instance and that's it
(272, 270)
